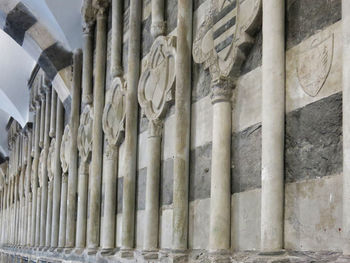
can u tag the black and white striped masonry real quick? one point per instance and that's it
(23, 26)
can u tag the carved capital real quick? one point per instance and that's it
(64, 178)
(155, 128)
(101, 7)
(110, 151)
(221, 90)
(88, 27)
(88, 12)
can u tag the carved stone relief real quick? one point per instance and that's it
(313, 66)
(157, 82)
(51, 160)
(64, 154)
(113, 119)
(85, 134)
(42, 167)
(224, 38)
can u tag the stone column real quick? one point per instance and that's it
(158, 24)
(117, 38)
(346, 126)
(37, 222)
(93, 228)
(53, 113)
(57, 176)
(130, 153)
(84, 146)
(63, 212)
(49, 215)
(43, 214)
(88, 13)
(109, 192)
(273, 111)
(182, 124)
(42, 121)
(220, 194)
(150, 243)
(27, 188)
(34, 174)
(73, 156)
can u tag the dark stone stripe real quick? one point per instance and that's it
(313, 146)
(246, 159)
(254, 58)
(18, 21)
(305, 18)
(224, 44)
(170, 15)
(224, 27)
(53, 59)
(201, 81)
(67, 109)
(225, 11)
(146, 37)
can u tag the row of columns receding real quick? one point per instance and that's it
(50, 200)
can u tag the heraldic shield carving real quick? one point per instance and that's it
(65, 150)
(314, 65)
(224, 38)
(85, 133)
(157, 82)
(113, 119)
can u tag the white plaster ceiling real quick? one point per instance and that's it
(62, 18)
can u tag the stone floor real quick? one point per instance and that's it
(195, 256)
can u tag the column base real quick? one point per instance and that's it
(343, 259)
(272, 253)
(68, 250)
(78, 251)
(220, 256)
(91, 251)
(108, 251)
(126, 253)
(150, 254)
(59, 249)
(178, 256)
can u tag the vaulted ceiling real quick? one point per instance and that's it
(62, 22)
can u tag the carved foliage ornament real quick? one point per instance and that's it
(224, 38)
(85, 133)
(314, 65)
(65, 147)
(113, 119)
(157, 82)
(42, 167)
(51, 164)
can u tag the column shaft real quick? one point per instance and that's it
(220, 194)
(49, 215)
(346, 126)
(273, 111)
(73, 157)
(117, 38)
(43, 214)
(152, 193)
(87, 64)
(37, 222)
(130, 153)
(158, 25)
(53, 113)
(57, 176)
(110, 195)
(82, 205)
(93, 234)
(182, 124)
(63, 213)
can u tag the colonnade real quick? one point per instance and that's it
(51, 197)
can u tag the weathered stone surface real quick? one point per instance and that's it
(254, 58)
(18, 21)
(305, 18)
(120, 195)
(146, 38)
(170, 15)
(313, 143)
(200, 82)
(67, 108)
(200, 171)
(166, 182)
(141, 189)
(246, 159)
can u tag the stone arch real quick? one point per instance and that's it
(25, 28)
